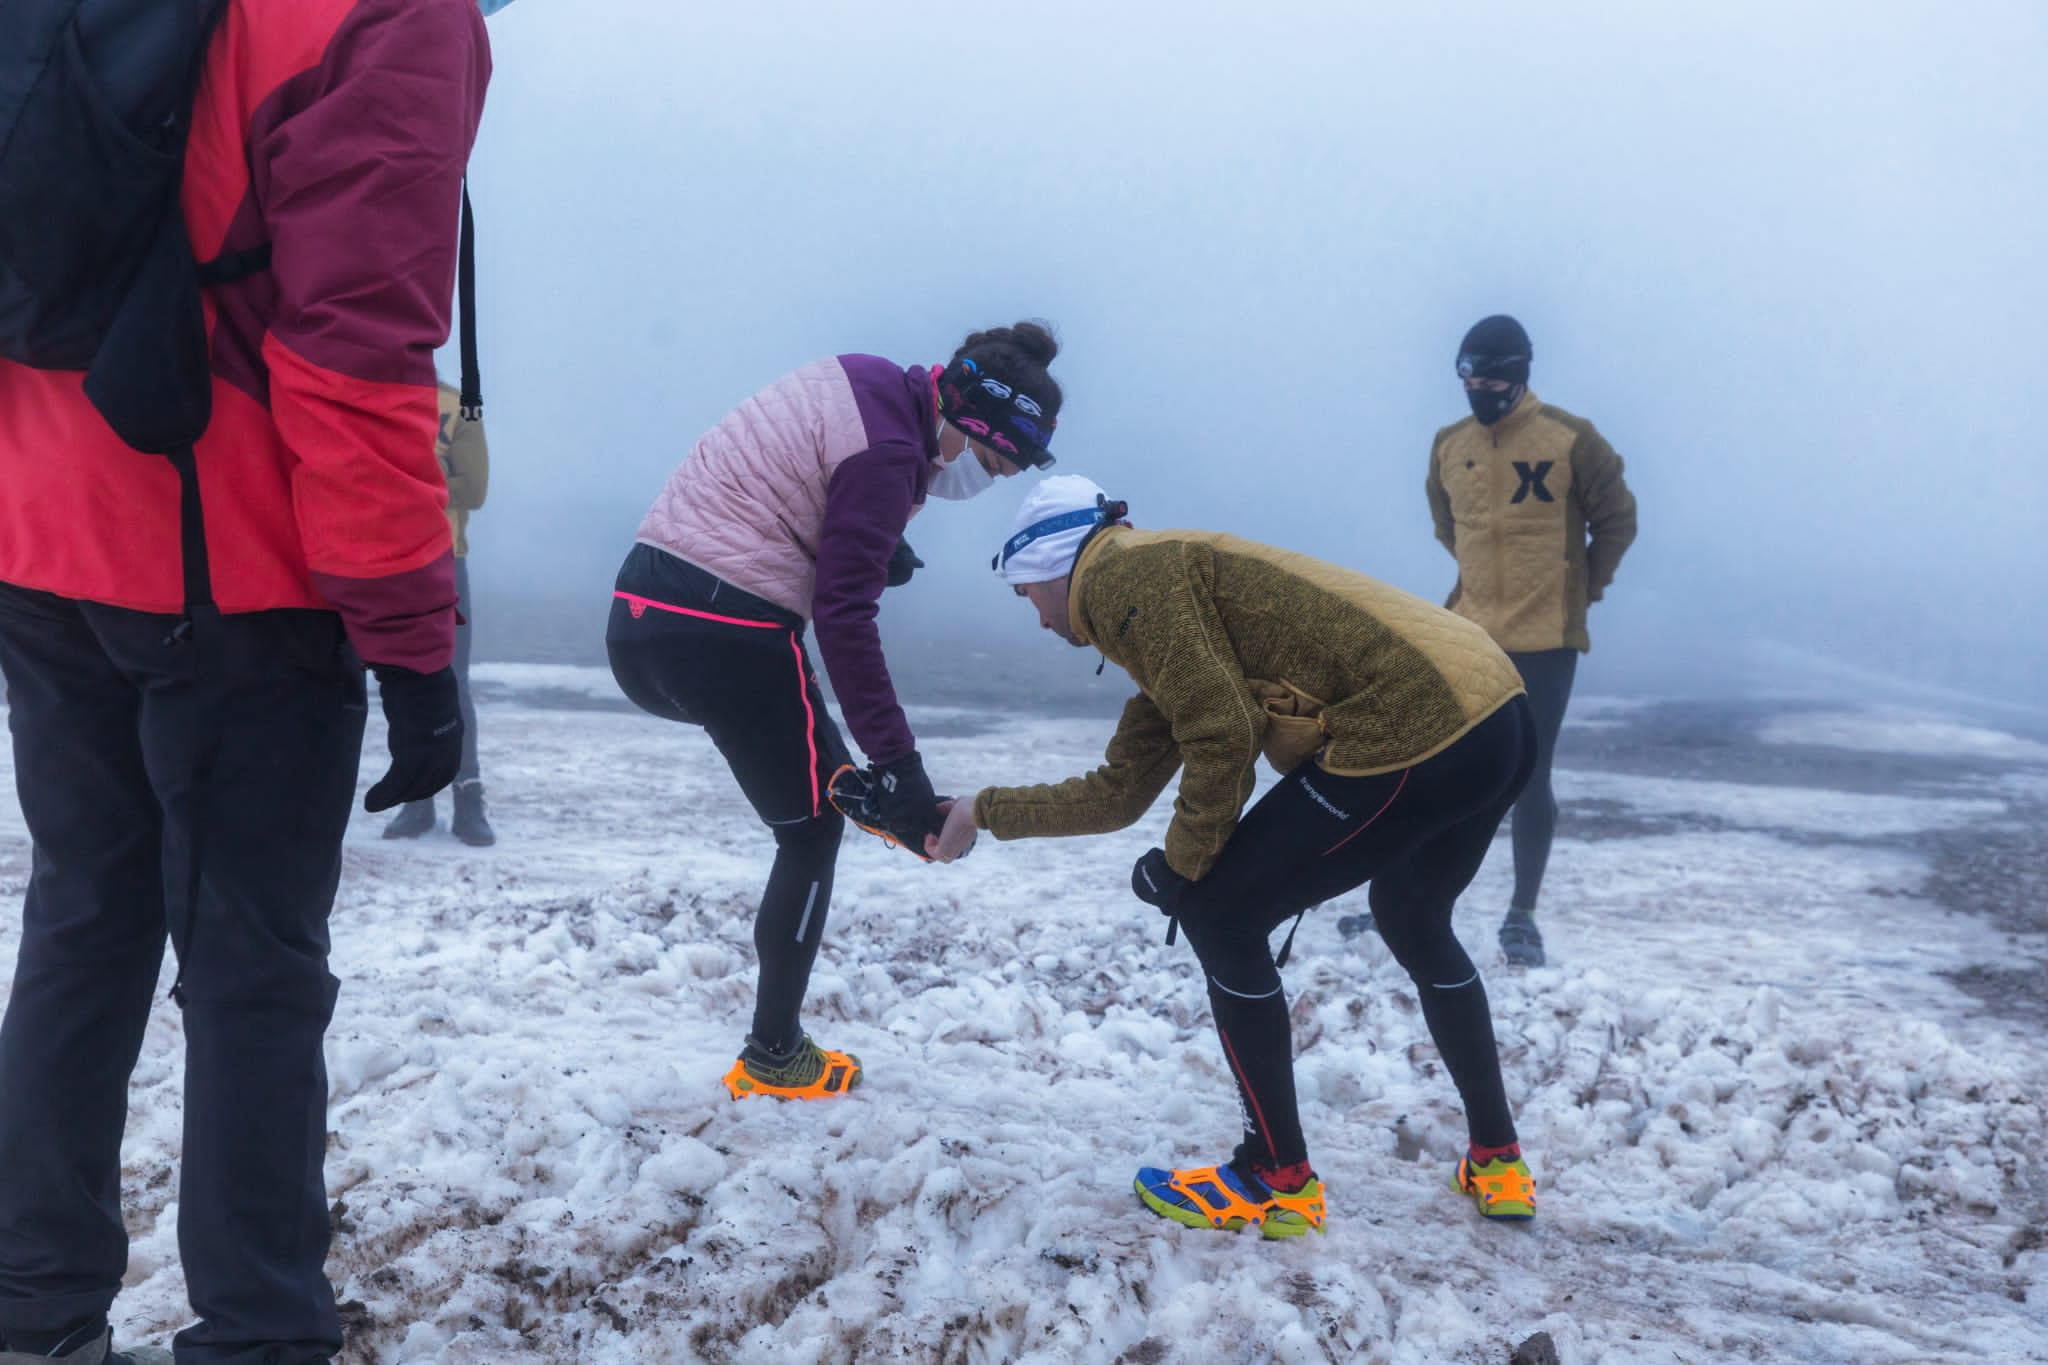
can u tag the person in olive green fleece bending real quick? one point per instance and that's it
(1402, 737)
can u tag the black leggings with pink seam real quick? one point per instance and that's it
(687, 646)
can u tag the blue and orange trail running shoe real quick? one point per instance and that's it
(1230, 1198)
(1502, 1187)
(809, 1073)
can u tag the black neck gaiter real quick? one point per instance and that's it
(1490, 406)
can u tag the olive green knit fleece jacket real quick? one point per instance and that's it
(1240, 649)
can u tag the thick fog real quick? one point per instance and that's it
(1788, 259)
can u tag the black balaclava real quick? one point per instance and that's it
(1495, 348)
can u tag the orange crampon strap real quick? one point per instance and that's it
(1506, 1192)
(1212, 1196)
(841, 1074)
(853, 797)
(1308, 1202)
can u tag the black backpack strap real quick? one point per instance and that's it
(230, 266)
(465, 289)
(200, 633)
(192, 533)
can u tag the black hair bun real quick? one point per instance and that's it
(1034, 340)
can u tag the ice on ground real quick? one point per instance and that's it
(528, 681)
(1603, 713)
(1803, 810)
(1894, 731)
(1764, 1125)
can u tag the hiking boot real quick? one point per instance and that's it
(414, 818)
(809, 1073)
(1521, 942)
(1351, 926)
(1229, 1198)
(87, 1346)
(1502, 1187)
(468, 822)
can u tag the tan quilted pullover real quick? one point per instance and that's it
(1538, 516)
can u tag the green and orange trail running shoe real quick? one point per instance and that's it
(1502, 1187)
(1229, 1199)
(809, 1073)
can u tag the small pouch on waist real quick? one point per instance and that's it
(1294, 725)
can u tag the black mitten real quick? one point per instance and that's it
(424, 714)
(1157, 884)
(903, 564)
(905, 801)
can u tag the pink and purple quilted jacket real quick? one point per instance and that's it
(800, 496)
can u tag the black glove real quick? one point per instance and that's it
(1156, 884)
(903, 564)
(905, 802)
(424, 714)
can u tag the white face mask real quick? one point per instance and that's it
(960, 479)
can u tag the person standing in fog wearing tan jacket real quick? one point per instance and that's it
(465, 459)
(1531, 501)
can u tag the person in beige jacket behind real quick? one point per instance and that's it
(466, 463)
(1531, 502)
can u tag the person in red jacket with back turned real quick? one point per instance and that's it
(336, 133)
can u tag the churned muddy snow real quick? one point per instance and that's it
(1774, 1110)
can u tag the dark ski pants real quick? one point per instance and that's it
(685, 645)
(104, 717)
(1548, 676)
(1419, 836)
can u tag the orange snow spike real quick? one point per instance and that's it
(1306, 1201)
(850, 796)
(1502, 1188)
(1205, 1197)
(816, 1074)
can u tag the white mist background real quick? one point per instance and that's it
(1786, 258)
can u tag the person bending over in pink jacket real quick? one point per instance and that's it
(791, 511)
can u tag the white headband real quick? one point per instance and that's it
(1057, 516)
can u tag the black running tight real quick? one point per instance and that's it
(1418, 836)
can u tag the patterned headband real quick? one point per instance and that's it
(1001, 416)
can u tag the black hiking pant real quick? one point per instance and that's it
(685, 645)
(1419, 836)
(104, 717)
(1548, 675)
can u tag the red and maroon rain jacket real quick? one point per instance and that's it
(335, 131)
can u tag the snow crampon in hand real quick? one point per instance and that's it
(854, 794)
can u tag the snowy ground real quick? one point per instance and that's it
(1775, 1112)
